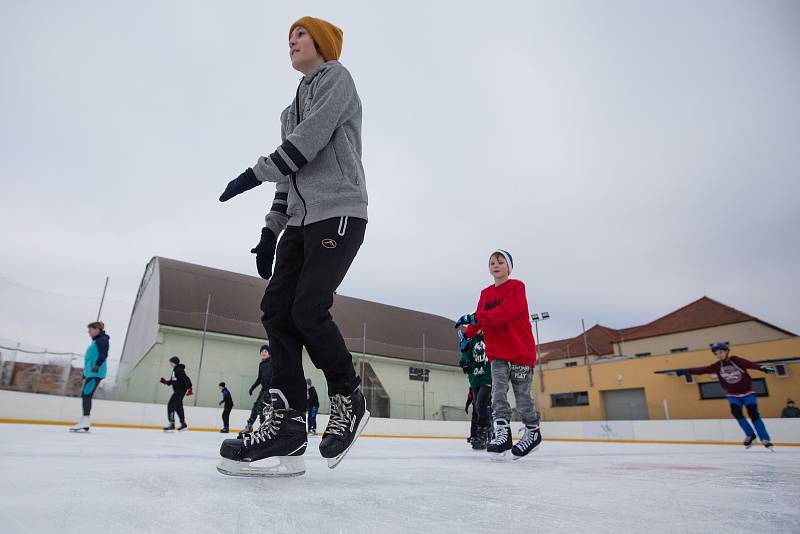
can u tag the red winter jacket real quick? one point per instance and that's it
(732, 375)
(503, 316)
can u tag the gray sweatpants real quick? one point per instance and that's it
(521, 378)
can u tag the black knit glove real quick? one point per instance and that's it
(465, 368)
(244, 182)
(265, 253)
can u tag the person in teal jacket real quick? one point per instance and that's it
(476, 366)
(94, 370)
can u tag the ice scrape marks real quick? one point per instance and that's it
(666, 467)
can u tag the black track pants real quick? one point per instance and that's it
(310, 263)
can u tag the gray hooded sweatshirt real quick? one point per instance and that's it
(317, 169)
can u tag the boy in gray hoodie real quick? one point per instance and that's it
(320, 205)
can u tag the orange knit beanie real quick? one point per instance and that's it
(327, 36)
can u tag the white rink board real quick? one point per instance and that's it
(146, 481)
(52, 408)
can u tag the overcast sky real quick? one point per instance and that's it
(633, 156)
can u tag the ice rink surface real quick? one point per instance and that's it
(123, 480)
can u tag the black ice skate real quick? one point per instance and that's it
(769, 446)
(280, 442)
(749, 441)
(266, 415)
(348, 418)
(224, 430)
(481, 439)
(183, 427)
(170, 427)
(501, 443)
(531, 440)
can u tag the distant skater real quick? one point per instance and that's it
(181, 386)
(264, 381)
(313, 407)
(94, 370)
(734, 379)
(227, 400)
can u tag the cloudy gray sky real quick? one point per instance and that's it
(632, 156)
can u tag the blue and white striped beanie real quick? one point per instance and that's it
(507, 255)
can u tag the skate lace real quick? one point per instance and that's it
(500, 435)
(267, 430)
(527, 438)
(341, 415)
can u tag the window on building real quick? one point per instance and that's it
(571, 364)
(642, 354)
(681, 349)
(713, 390)
(419, 374)
(561, 400)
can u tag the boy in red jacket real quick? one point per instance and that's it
(734, 379)
(503, 316)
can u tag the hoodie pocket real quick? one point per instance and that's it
(349, 163)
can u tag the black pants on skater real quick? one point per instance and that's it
(481, 408)
(89, 387)
(175, 404)
(310, 263)
(258, 405)
(226, 416)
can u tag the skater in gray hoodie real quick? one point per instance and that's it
(320, 207)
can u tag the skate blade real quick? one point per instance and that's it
(536, 448)
(333, 462)
(79, 430)
(499, 456)
(287, 466)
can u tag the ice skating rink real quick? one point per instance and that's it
(124, 480)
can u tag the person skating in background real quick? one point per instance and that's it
(320, 205)
(181, 387)
(94, 370)
(503, 317)
(264, 380)
(313, 407)
(227, 400)
(735, 380)
(476, 366)
(790, 410)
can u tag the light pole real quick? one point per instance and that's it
(535, 317)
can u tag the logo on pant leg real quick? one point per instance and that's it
(329, 243)
(519, 372)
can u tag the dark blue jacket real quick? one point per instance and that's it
(226, 398)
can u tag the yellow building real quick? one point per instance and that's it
(629, 374)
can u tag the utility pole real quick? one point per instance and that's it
(586, 349)
(102, 299)
(423, 376)
(535, 317)
(202, 348)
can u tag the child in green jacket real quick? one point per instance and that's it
(476, 366)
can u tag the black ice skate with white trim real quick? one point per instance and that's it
(349, 416)
(170, 427)
(501, 444)
(749, 441)
(278, 445)
(769, 446)
(531, 440)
